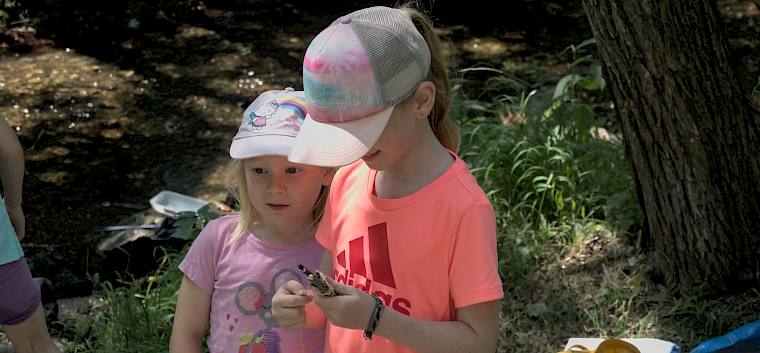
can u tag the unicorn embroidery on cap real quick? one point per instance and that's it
(258, 117)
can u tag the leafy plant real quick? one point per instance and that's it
(189, 224)
(533, 150)
(134, 317)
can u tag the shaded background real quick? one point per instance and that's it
(116, 102)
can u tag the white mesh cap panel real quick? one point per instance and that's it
(397, 52)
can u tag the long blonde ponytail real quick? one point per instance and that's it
(444, 128)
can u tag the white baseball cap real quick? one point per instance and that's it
(270, 124)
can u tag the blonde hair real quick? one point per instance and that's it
(445, 130)
(248, 215)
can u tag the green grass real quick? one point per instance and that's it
(135, 317)
(568, 220)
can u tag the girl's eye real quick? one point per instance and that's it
(292, 170)
(259, 170)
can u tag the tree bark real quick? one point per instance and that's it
(690, 134)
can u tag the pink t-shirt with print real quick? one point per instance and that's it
(241, 278)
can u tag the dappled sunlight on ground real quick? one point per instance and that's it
(112, 123)
(482, 48)
(63, 90)
(600, 288)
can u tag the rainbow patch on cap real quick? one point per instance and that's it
(296, 105)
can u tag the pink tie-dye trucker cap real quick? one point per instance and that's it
(354, 73)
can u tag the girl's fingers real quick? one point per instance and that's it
(294, 287)
(341, 288)
(291, 301)
(289, 316)
(291, 295)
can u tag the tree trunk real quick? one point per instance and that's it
(690, 134)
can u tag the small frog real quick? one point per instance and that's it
(320, 283)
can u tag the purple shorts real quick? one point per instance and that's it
(21, 294)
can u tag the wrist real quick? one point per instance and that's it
(374, 318)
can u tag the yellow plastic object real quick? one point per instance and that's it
(610, 345)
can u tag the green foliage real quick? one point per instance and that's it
(138, 315)
(565, 203)
(609, 295)
(134, 318)
(189, 224)
(540, 164)
(755, 94)
(11, 12)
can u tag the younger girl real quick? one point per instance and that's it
(238, 262)
(410, 235)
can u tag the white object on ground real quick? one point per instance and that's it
(170, 203)
(645, 345)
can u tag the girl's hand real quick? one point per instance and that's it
(16, 215)
(288, 305)
(351, 308)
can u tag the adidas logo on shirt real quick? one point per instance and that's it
(355, 271)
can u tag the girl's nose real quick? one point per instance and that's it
(278, 185)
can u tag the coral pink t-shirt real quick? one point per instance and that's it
(241, 278)
(425, 254)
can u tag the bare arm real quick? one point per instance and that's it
(474, 330)
(12, 175)
(191, 318)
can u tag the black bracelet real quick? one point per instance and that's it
(373, 318)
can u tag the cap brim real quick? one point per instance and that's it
(261, 145)
(337, 144)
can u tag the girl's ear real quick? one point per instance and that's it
(424, 99)
(328, 176)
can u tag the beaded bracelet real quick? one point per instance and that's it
(373, 318)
